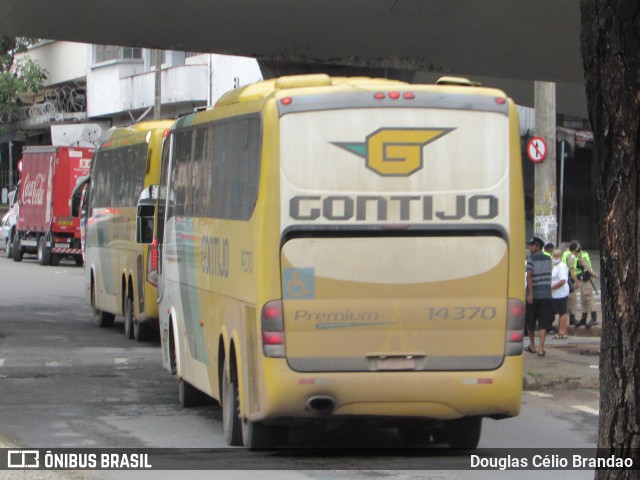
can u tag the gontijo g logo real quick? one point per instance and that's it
(395, 152)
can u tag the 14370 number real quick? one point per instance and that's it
(461, 313)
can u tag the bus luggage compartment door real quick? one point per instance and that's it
(410, 303)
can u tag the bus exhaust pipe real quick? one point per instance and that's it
(321, 405)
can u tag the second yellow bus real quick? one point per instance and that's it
(119, 270)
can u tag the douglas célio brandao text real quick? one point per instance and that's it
(549, 461)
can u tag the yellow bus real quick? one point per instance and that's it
(346, 250)
(119, 270)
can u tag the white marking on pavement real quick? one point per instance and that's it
(594, 366)
(540, 394)
(121, 361)
(1, 362)
(585, 409)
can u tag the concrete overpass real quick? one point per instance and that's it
(504, 43)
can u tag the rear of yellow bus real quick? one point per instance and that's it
(402, 259)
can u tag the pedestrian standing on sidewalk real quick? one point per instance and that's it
(539, 298)
(560, 293)
(586, 275)
(548, 249)
(569, 258)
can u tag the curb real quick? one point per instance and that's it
(534, 381)
(567, 365)
(595, 331)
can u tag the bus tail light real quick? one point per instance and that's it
(515, 327)
(152, 263)
(272, 322)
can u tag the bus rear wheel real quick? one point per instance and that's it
(231, 425)
(414, 435)
(258, 436)
(139, 330)
(100, 318)
(463, 433)
(128, 317)
(189, 396)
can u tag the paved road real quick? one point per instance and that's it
(66, 383)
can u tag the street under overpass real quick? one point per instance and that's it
(503, 43)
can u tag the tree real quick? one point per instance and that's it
(610, 40)
(16, 77)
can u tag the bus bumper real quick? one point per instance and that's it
(428, 395)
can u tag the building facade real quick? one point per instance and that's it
(90, 88)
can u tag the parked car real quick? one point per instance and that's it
(6, 232)
(8, 223)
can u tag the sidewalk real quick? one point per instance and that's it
(571, 363)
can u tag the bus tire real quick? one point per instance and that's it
(128, 317)
(17, 252)
(231, 424)
(463, 433)
(189, 396)
(100, 318)
(258, 436)
(44, 252)
(414, 435)
(139, 330)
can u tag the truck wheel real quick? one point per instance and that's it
(79, 260)
(100, 318)
(17, 253)
(44, 252)
(9, 248)
(55, 259)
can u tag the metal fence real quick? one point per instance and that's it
(56, 100)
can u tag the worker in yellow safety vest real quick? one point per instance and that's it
(585, 274)
(569, 258)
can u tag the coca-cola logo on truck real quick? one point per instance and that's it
(33, 193)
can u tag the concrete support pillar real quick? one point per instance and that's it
(157, 103)
(545, 219)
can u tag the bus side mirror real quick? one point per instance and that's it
(145, 218)
(75, 206)
(77, 196)
(145, 223)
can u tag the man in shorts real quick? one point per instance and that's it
(539, 297)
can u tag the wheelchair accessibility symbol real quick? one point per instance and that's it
(298, 283)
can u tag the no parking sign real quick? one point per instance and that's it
(536, 149)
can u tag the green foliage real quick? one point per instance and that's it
(21, 76)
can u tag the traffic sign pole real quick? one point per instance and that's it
(545, 218)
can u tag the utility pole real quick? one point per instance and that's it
(157, 104)
(545, 219)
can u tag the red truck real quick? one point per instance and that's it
(45, 226)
